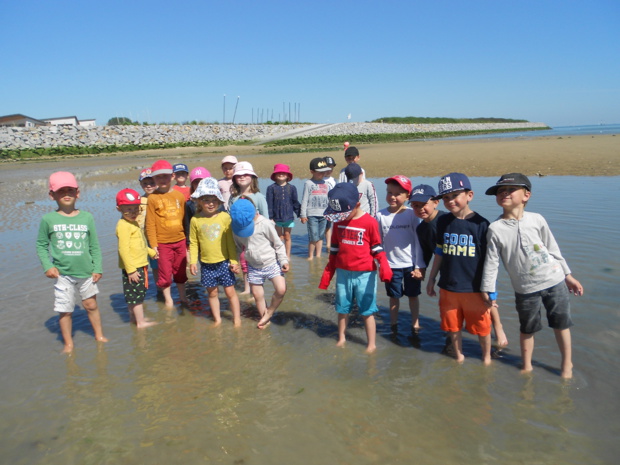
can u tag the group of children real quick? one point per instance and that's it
(229, 226)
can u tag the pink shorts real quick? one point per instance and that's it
(454, 307)
(172, 263)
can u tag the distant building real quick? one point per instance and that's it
(88, 123)
(22, 121)
(63, 121)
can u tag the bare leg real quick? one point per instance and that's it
(258, 291)
(371, 333)
(343, 322)
(279, 286)
(137, 310)
(182, 295)
(66, 327)
(328, 238)
(235, 307)
(394, 307)
(246, 284)
(485, 345)
(288, 242)
(527, 349)
(414, 309)
(563, 338)
(311, 246)
(214, 303)
(457, 345)
(319, 248)
(167, 292)
(502, 340)
(92, 309)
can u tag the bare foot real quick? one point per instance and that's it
(371, 349)
(102, 339)
(67, 349)
(310, 259)
(340, 343)
(217, 323)
(460, 358)
(526, 371)
(237, 323)
(168, 303)
(486, 361)
(567, 373)
(265, 319)
(146, 324)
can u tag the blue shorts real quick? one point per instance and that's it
(216, 274)
(285, 224)
(361, 285)
(403, 284)
(555, 301)
(316, 228)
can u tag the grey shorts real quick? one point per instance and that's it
(67, 287)
(555, 300)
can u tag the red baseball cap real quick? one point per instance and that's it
(127, 197)
(161, 167)
(402, 181)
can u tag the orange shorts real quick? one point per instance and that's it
(454, 307)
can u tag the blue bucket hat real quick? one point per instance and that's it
(422, 193)
(453, 182)
(342, 199)
(242, 213)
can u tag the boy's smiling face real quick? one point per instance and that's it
(424, 210)
(129, 212)
(509, 197)
(148, 185)
(458, 201)
(181, 177)
(396, 196)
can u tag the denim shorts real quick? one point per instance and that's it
(555, 300)
(316, 228)
(359, 284)
(403, 284)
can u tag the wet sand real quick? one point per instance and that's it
(542, 156)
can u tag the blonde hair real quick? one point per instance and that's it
(197, 203)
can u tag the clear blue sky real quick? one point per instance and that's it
(556, 62)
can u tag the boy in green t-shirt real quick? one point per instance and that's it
(69, 236)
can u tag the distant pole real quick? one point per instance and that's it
(283, 112)
(235, 113)
(224, 111)
(289, 112)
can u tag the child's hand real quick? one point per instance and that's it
(430, 287)
(574, 286)
(303, 220)
(285, 267)
(52, 273)
(487, 300)
(234, 268)
(96, 277)
(417, 274)
(193, 269)
(133, 277)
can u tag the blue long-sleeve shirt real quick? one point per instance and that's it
(282, 202)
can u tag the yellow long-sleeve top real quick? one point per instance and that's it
(211, 239)
(164, 218)
(133, 252)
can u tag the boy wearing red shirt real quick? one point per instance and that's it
(355, 245)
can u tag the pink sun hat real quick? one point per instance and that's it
(282, 168)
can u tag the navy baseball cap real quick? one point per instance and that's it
(453, 182)
(180, 167)
(242, 214)
(422, 193)
(353, 171)
(342, 199)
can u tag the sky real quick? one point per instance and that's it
(556, 62)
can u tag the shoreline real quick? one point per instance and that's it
(542, 156)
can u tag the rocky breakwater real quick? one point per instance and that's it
(14, 138)
(381, 128)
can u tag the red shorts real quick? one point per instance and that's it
(172, 263)
(454, 307)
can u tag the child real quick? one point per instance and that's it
(538, 272)
(197, 175)
(424, 205)
(397, 226)
(351, 155)
(331, 182)
(211, 240)
(180, 172)
(356, 244)
(313, 204)
(133, 254)
(461, 248)
(283, 204)
(265, 254)
(148, 186)
(165, 233)
(366, 189)
(245, 182)
(228, 168)
(69, 236)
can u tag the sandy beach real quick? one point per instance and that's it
(542, 156)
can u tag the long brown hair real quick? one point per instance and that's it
(235, 190)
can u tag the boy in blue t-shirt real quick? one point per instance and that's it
(460, 253)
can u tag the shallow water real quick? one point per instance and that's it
(184, 392)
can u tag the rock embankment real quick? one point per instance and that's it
(13, 138)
